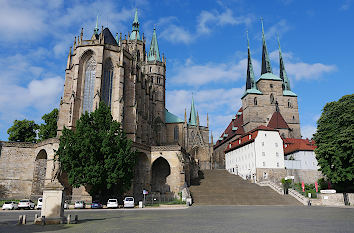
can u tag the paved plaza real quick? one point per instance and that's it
(196, 219)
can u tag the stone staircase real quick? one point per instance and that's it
(218, 187)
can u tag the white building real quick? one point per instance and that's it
(299, 154)
(257, 155)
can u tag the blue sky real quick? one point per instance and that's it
(204, 42)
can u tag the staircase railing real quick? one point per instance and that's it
(298, 196)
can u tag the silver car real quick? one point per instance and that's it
(79, 205)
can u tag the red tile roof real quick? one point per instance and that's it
(247, 138)
(292, 145)
(277, 121)
(237, 121)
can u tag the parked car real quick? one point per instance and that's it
(129, 202)
(10, 205)
(39, 203)
(112, 203)
(80, 205)
(96, 205)
(66, 205)
(26, 204)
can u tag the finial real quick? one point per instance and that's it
(278, 42)
(96, 28)
(207, 120)
(75, 42)
(81, 34)
(248, 40)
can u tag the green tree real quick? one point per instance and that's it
(49, 129)
(97, 155)
(335, 142)
(23, 131)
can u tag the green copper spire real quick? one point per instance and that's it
(96, 28)
(135, 27)
(266, 67)
(154, 54)
(251, 86)
(283, 75)
(193, 114)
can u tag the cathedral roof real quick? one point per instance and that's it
(293, 144)
(171, 118)
(277, 121)
(108, 37)
(234, 128)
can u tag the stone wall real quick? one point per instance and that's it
(307, 176)
(331, 199)
(17, 167)
(272, 174)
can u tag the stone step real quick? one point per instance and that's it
(218, 187)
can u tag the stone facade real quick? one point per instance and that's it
(131, 81)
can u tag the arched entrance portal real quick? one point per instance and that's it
(141, 176)
(39, 173)
(160, 171)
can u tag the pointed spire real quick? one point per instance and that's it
(96, 28)
(185, 115)
(282, 71)
(197, 118)
(117, 38)
(154, 54)
(192, 114)
(250, 81)
(135, 28)
(207, 120)
(212, 139)
(266, 67)
(81, 35)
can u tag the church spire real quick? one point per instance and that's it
(96, 28)
(193, 114)
(250, 82)
(283, 75)
(266, 67)
(251, 86)
(135, 28)
(154, 54)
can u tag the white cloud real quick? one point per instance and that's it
(198, 75)
(307, 131)
(299, 69)
(279, 28)
(205, 22)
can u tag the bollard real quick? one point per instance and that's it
(68, 220)
(19, 220)
(43, 220)
(35, 218)
(76, 218)
(24, 219)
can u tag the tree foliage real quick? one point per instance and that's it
(335, 141)
(23, 131)
(97, 155)
(49, 129)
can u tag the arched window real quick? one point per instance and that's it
(255, 100)
(272, 98)
(175, 133)
(289, 104)
(107, 82)
(90, 75)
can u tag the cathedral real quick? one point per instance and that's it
(267, 101)
(130, 78)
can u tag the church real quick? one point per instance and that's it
(267, 101)
(130, 78)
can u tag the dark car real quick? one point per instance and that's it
(96, 205)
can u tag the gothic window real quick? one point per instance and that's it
(150, 69)
(255, 100)
(107, 83)
(272, 98)
(271, 85)
(175, 133)
(90, 75)
(289, 104)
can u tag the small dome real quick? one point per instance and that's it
(269, 76)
